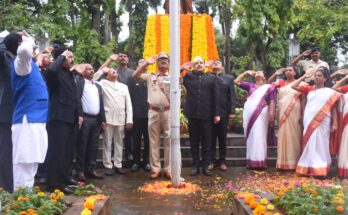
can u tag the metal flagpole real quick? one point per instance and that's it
(175, 153)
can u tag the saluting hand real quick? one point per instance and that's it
(152, 60)
(280, 71)
(250, 72)
(114, 57)
(307, 53)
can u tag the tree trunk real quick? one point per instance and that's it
(227, 39)
(130, 27)
(250, 54)
(106, 29)
(96, 14)
(72, 15)
(114, 29)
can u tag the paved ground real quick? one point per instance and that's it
(127, 200)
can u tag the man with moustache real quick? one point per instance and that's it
(91, 95)
(119, 117)
(138, 92)
(124, 73)
(8, 51)
(65, 117)
(314, 63)
(227, 110)
(158, 100)
(201, 108)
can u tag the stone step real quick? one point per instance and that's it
(235, 151)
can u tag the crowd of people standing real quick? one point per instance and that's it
(52, 113)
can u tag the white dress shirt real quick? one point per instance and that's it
(90, 98)
(117, 102)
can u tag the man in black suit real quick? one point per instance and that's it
(65, 116)
(227, 110)
(91, 95)
(8, 50)
(201, 107)
(138, 93)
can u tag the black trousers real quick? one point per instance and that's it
(6, 168)
(62, 138)
(87, 144)
(219, 131)
(128, 143)
(200, 132)
(140, 129)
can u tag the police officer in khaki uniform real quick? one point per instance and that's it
(158, 99)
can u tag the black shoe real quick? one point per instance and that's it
(194, 171)
(206, 172)
(67, 190)
(130, 157)
(120, 171)
(81, 176)
(109, 171)
(135, 167)
(147, 167)
(94, 174)
(71, 181)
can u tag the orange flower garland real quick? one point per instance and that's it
(212, 49)
(196, 37)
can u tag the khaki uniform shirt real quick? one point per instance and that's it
(157, 89)
(309, 64)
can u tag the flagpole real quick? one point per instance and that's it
(175, 153)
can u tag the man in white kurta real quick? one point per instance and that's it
(30, 97)
(119, 115)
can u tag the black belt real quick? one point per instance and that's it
(88, 115)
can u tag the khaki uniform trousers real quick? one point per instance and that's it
(159, 124)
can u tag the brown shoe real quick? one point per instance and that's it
(211, 167)
(167, 175)
(155, 175)
(223, 166)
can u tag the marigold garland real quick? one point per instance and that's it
(150, 40)
(196, 37)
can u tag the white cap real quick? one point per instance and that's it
(198, 58)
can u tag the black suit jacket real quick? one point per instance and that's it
(6, 103)
(202, 100)
(64, 102)
(227, 94)
(80, 82)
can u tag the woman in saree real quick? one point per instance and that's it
(343, 150)
(290, 119)
(258, 114)
(319, 119)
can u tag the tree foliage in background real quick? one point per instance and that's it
(92, 27)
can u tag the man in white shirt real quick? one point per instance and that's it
(119, 116)
(30, 101)
(91, 95)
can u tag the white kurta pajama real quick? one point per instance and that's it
(118, 112)
(29, 139)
